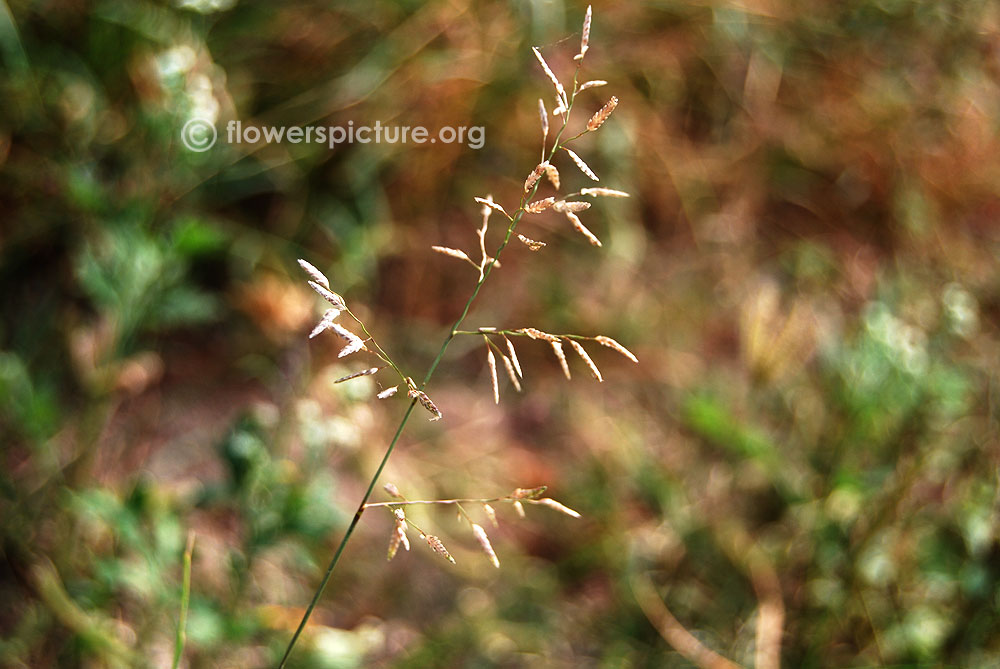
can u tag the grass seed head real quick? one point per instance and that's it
(560, 91)
(519, 508)
(562, 508)
(582, 229)
(388, 392)
(603, 192)
(612, 344)
(593, 83)
(552, 174)
(511, 373)
(316, 275)
(562, 206)
(530, 243)
(529, 493)
(438, 547)
(585, 37)
(392, 491)
(333, 298)
(582, 165)
(586, 359)
(491, 514)
(513, 356)
(424, 400)
(538, 334)
(484, 541)
(598, 119)
(534, 176)
(492, 362)
(544, 116)
(454, 253)
(561, 356)
(538, 206)
(488, 202)
(363, 372)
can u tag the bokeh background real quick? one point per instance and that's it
(802, 468)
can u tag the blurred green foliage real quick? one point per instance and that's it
(806, 270)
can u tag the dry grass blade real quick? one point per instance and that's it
(513, 356)
(336, 300)
(492, 205)
(538, 206)
(582, 165)
(491, 360)
(561, 356)
(586, 359)
(530, 243)
(438, 547)
(603, 192)
(598, 119)
(364, 372)
(316, 275)
(560, 91)
(484, 541)
(454, 253)
(562, 206)
(582, 229)
(561, 508)
(593, 83)
(612, 344)
(553, 175)
(509, 366)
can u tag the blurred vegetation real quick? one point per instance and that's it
(807, 271)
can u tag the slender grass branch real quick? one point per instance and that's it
(185, 600)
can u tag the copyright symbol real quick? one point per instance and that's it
(198, 135)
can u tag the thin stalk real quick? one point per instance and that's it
(185, 600)
(430, 372)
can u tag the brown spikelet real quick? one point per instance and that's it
(538, 334)
(585, 37)
(511, 373)
(586, 359)
(491, 514)
(529, 493)
(513, 356)
(561, 356)
(562, 206)
(582, 165)
(439, 548)
(491, 360)
(398, 534)
(598, 119)
(582, 229)
(484, 541)
(492, 205)
(603, 192)
(612, 344)
(424, 400)
(519, 508)
(388, 392)
(534, 176)
(454, 253)
(593, 83)
(530, 243)
(336, 300)
(363, 372)
(539, 206)
(560, 91)
(562, 508)
(316, 275)
(552, 174)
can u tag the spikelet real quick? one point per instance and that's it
(562, 206)
(519, 508)
(560, 91)
(562, 508)
(511, 373)
(354, 342)
(582, 165)
(364, 372)
(336, 300)
(553, 175)
(538, 206)
(454, 253)
(393, 545)
(492, 205)
(598, 119)
(586, 359)
(316, 275)
(398, 534)
(538, 334)
(424, 400)
(490, 259)
(582, 229)
(491, 514)
(585, 38)
(558, 350)
(544, 116)
(486, 210)
(612, 344)
(491, 360)
(535, 174)
(513, 356)
(529, 493)
(326, 323)
(438, 547)
(392, 490)
(560, 108)
(388, 392)
(530, 243)
(484, 541)
(593, 83)
(603, 192)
